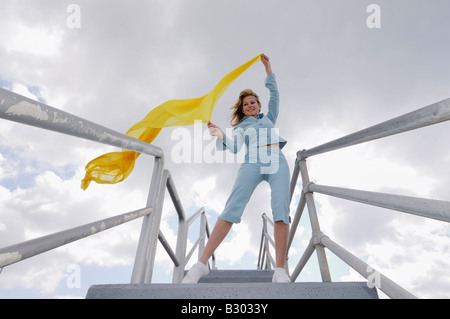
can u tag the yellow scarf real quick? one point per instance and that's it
(114, 167)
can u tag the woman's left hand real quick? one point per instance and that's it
(214, 130)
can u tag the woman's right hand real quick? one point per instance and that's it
(265, 60)
(214, 130)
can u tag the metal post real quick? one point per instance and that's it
(155, 224)
(260, 256)
(178, 271)
(321, 256)
(202, 234)
(270, 262)
(266, 245)
(213, 257)
(141, 260)
(294, 178)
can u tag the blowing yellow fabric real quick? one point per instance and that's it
(114, 167)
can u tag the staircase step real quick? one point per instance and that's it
(237, 276)
(258, 290)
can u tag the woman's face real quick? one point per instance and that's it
(250, 106)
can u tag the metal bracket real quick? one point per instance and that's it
(316, 238)
(306, 189)
(300, 155)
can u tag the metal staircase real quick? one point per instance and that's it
(222, 284)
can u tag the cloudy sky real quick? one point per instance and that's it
(123, 58)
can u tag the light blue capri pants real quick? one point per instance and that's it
(270, 166)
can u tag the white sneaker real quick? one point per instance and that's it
(199, 270)
(280, 276)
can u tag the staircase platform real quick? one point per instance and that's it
(235, 284)
(253, 290)
(237, 276)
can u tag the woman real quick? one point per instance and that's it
(263, 161)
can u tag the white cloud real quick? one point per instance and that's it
(39, 210)
(20, 38)
(232, 250)
(3, 172)
(413, 257)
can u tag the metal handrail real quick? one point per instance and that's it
(17, 108)
(30, 248)
(436, 209)
(429, 115)
(429, 208)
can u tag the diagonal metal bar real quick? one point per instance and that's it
(27, 249)
(297, 217)
(169, 250)
(385, 284)
(309, 250)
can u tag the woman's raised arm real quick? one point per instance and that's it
(265, 60)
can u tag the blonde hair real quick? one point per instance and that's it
(238, 113)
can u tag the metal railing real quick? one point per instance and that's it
(435, 209)
(17, 108)
(23, 110)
